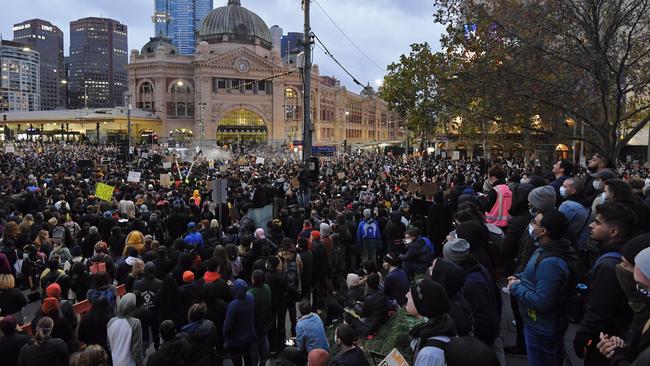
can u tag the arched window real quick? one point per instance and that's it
(182, 103)
(146, 96)
(291, 109)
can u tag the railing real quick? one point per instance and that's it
(80, 308)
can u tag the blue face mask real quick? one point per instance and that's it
(531, 232)
(563, 192)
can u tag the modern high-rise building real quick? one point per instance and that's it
(19, 78)
(180, 20)
(47, 39)
(291, 46)
(98, 55)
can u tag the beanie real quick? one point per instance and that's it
(108, 214)
(188, 276)
(391, 260)
(53, 290)
(8, 324)
(315, 235)
(642, 261)
(191, 225)
(429, 297)
(634, 246)
(456, 250)
(50, 305)
(543, 198)
(318, 357)
(259, 233)
(168, 330)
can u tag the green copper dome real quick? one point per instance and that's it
(234, 23)
(160, 41)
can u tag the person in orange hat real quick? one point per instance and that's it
(50, 305)
(321, 268)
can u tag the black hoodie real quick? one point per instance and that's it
(175, 352)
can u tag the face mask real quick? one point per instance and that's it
(598, 185)
(408, 241)
(605, 196)
(524, 180)
(531, 232)
(563, 192)
(628, 285)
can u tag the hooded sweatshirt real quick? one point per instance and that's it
(239, 326)
(125, 334)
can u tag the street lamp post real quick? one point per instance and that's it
(128, 125)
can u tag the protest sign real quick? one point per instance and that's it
(341, 175)
(413, 187)
(428, 190)
(394, 358)
(133, 177)
(104, 192)
(10, 149)
(259, 160)
(165, 180)
(167, 165)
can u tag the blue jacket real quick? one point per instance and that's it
(239, 325)
(368, 234)
(578, 216)
(541, 293)
(310, 334)
(194, 238)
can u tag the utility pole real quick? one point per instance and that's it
(307, 128)
(128, 126)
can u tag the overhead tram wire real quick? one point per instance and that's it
(348, 37)
(253, 82)
(354, 79)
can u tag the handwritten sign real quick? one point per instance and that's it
(104, 192)
(428, 189)
(413, 187)
(394, 358)
(10, 149)
(259, 160)
(133, 177)
(165, 180)
(167, 165)
(340, 175)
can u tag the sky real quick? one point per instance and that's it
(383, 29)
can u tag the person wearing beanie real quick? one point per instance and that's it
(427, 298)
(542, 199)
(368, 238)
(239, 325)
(193, 237)
(11, 341)
(480, 291)
(452, 278)
(499, 198)
(188, 277)
(174, 350)
(321, 269)
(396, 283)
(606, 310)
(625, 275)
(542, 288)
(50, 305)
(419, 252)
(53, 290)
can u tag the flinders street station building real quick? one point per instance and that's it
(235, 87)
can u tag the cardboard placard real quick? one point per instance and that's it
(428, 189)
(455, 155)
(134, 177)
(413, 187)
(167, 165)
(259, 160)
(340, 175)
(10, 149)
(165, 180)
(144, 155)
(394, 358)
(104, 192)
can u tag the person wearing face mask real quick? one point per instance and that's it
(635, 350)
(562, 170)
(499, 198)
(578, 213)
(598, 186)
(542, 288)
(606, 309)
(419, 252)
(596, 164)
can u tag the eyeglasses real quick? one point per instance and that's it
(642, 290)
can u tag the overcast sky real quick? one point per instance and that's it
(384, 29)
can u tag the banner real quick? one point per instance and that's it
(134, 177)
(104, 192)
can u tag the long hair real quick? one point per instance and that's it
(43, 330)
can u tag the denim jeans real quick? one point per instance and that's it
(544, 350)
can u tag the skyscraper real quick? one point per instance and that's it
(19, 78)
(47, 40)
(98, 54)
(179, 20)
(291, 46)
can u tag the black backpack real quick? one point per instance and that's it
(573, 297)
(293, 278)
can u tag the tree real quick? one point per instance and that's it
(585, 60)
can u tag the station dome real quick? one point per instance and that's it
(234, 23)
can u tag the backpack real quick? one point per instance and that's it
(436, 343)
(59, 233)
(292, 277)
(106, 293)
(574, 298)
(428, 244)
(97, 267)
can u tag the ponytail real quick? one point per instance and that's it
(43, 330)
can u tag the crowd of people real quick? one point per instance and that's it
(350, 243)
